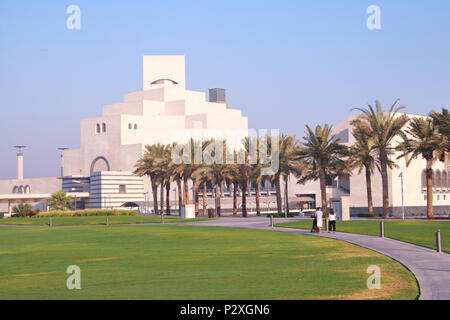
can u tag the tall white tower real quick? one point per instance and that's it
(20, 162)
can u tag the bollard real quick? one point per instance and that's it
(271, 221)
(438, 241)
(162, 218)
(51, 222)
(382, 229)
(107, 220)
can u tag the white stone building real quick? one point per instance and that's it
(99, 173)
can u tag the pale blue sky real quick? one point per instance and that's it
(284, 63)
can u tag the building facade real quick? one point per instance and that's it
(99, 173)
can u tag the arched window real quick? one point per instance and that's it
(130, 126)
(97, 128)
(135, 126)
(164, 81)
(438, 178)
(27, 189)
(444, 182)
(100, 164)
(448, 179)
(424, 179)
(15, 189)
(104, 127)
(21, 190)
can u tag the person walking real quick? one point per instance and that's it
(332, 221)
(319, 217)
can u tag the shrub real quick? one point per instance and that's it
(24, 210)
(87, 213)
(283, 215)
(60, 201)
(369, 215)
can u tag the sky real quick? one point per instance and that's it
(283, 63)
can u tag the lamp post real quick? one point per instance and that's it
(285, 198)
(62, 151)
(215, 199)
(146, 202)
(403, 205)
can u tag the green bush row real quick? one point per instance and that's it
(369, 215)
(87, 213)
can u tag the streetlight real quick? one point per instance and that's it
(146, 201)
(403, 205)
(285, 198)
(62, 150)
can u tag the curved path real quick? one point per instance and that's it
(431, 269)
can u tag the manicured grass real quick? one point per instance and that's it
(422, 233)
(93, 220)
(190, 262)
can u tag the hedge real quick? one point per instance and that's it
(87, 213)
(369, 215)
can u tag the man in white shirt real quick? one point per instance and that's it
(319, 217)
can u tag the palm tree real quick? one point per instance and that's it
(362, 156)
(167, 176)
(214, 173)
(60, 201)
(383, 127)
(425, 141)
(152, 165)
(442, 122)
(322, 156)
(288, 163)
(254, 172)
(191, 163)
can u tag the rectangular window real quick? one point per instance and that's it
(122, 188)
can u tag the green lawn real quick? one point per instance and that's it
(92, 220)
(422, 233)
(190, 262)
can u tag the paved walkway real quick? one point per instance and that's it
(431, 269)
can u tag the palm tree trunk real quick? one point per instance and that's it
(244, 199)
(258, 208)
(218, 194)
(186, 191)
(196, 197)
(204, 198)
(323, 189)
(278, 189)
(286, 195)
(180, 197)
(369, 191)
(155, 196)
(235, 186)
(384, 182)
(429, 173)
(168, 198)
